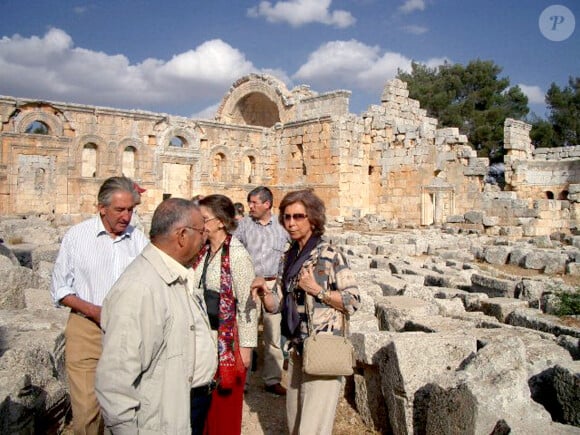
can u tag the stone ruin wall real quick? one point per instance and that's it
(391, 162)
(425, 174)
(546, 178)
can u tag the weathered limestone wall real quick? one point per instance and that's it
(425, 174)
(538, 173)
(544, 177)
(391, 162)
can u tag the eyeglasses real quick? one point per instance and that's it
(296, 216)
(205, 221)
(199, 230)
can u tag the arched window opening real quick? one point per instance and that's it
(549, 195)
(563, 195)
(177, 142)
(249, 168)
(218, 167)
(37, 127)
(128, 164)
(89, 161)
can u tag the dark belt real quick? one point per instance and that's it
(269, 278)
(204, 390)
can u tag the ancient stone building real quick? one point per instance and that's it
(392, 161)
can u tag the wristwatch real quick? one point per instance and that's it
(324, 296)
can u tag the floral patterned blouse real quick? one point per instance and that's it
(332, 273)
(242, 270)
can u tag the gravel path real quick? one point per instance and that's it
(265, 413)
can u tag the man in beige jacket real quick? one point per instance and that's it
(159, 357)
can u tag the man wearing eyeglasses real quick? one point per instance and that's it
(156, 374)
(92, 255)
(266, 240)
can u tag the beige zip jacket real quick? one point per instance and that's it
(144, 375)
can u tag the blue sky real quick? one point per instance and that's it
(181, 56)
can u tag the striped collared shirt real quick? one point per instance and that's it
(265, 243)
(90, 261)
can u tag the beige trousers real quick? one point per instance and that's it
(83, 348)
(310, 400)
(273, 356)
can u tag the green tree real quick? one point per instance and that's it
(542, 133)
(562, 128)
(565, 112)
(473, 98)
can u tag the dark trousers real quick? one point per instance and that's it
(198, 415)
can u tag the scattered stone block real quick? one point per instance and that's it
(413, 360)
(518, 256)
(535, 319)
(474, 217)
(15, 279)
(492, 286)
(450, 307)
(393, 311)
(535, 260)
(531, 291)
(497, 254)
(490, 391)
(501, 308)
(567, 387)
(472, 301)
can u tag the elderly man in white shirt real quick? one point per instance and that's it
(92, 255)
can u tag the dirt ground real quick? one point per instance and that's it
(265, 413)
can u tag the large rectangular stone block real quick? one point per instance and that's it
(413, 360)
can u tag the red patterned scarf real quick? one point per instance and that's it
(231, 367)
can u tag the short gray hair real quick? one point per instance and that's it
(169, 214)
(115, 184)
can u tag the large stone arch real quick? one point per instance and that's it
(190, 136)
(259, 100)
(31, 113)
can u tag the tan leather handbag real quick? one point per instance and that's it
(327, 354)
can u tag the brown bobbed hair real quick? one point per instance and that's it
(312, 204)
(223, 208)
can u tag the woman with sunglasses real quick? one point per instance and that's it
(224, 272)
(313, 269)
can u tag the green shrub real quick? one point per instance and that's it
(569, 303)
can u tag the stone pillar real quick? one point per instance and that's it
(518, 145)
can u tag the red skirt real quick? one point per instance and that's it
(225, 412)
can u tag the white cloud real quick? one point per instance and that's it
(353, 65)
(338, 61)
(51, 67)
(534, 93)
(79, 10)
(207, 113)
(411, 6)
(300, 12)
(415, 30)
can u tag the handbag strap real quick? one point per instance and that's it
(308, 301)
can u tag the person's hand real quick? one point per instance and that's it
(94, 313)
(258, 288)
(246, 353)
(307, 282)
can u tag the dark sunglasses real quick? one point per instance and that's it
(296, 216)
